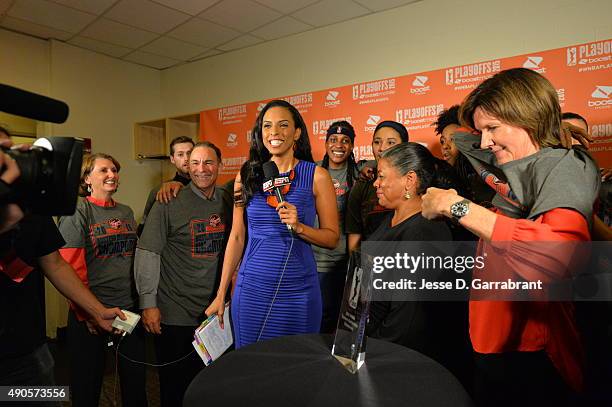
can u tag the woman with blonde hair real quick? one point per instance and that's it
(100, 242)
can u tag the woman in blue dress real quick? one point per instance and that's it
(277, 290)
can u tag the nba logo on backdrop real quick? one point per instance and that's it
(571, 56)
(449, 77)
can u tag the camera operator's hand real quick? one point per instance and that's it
(10, 168)
(10, 214)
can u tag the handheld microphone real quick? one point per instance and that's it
(27, 104)
(270, 171)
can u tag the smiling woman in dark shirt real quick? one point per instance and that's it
(436, 329)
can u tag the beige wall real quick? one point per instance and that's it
(419, 37)
(106, 96)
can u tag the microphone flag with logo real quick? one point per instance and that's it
(274, 184)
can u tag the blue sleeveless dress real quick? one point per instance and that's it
(261, 308)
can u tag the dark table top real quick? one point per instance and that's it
(300, 371)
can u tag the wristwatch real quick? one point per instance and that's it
(459, 209)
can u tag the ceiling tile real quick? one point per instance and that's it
(379, 5)
(203, 33)
(286, 6)
(51, 15)
(146, 15)
(36, 30)
(96, 7)
(281, 28)
(118, 34)
(192, 7)
(240, 42)
(209, 53)
(171, 48)
(99, 46)
(150, 60)
(241, 15)
(330, 11)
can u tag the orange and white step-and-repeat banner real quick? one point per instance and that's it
(582, 75)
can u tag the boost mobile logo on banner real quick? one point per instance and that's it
(420, 86)
(534, 63)
(371, 123)
(332, 100)
(232, 140)
(601, 97)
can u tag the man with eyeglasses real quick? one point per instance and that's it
(178, 260)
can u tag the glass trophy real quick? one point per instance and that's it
(350, 342)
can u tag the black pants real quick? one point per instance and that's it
(525, 379)
(173, 344)
(87, 363)
(332, 289)
(33, 369)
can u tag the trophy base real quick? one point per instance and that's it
(350, 364)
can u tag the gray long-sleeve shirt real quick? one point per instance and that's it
(177, 259)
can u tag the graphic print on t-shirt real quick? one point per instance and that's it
(207, 236)
(113, 238)
(340, 188)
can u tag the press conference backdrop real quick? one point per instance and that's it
(581, 74)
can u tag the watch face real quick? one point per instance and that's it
(459, 209)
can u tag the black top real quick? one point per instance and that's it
(363, 212)
(22, 305)
(404, 323)
(437, 329)
(415, 228)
